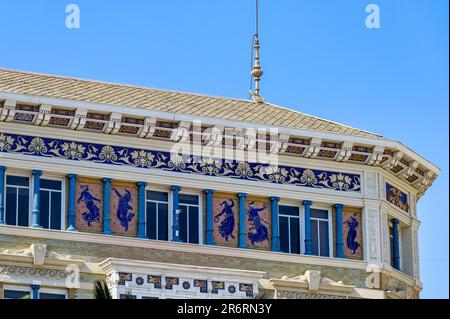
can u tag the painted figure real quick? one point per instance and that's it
(352, 225)
(93, 213)
(260, 231)
(122, 209)
(226, 226)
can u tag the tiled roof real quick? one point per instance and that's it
(159, 100)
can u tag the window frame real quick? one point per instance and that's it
(300, 225)
(30, 196)
(12, 287)
(54, 291)
(169, 210)
(199, 194)
(63, 198)
(330, 228)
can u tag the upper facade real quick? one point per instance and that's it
(155, 180)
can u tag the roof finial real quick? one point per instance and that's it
(257, 71)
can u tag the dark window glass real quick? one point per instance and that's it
(284, 234)
(193, 225)
(163, 211)
(183, 221)
(295, 235)
(55, 220)
(188, 199)
(23, 207)
(45, 208)
(157, 196)
(314, 237)
(324, 239)
(145, 297)
(51, 184)
(51, 296)
(318, 213)
(151, 220)
(123, 296)
(17, 180)
(289, 210)
(13, 294)
(11, 206)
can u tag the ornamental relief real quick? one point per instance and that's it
(305, 295)
(24, 271)
(149, 159)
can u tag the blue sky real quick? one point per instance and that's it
(318, 58)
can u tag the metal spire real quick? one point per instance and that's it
(257, 71)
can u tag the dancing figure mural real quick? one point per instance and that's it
(352, 225)
(93, 212)
(257, 232)
(226, 226)
(123, 208)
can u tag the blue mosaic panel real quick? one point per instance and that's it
(397, 197)
(149, 159)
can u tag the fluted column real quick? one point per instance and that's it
(308, 240)
(396, 244)
(141, 209)
(209, 217)
(339, 236)
(36, 213)
(242, 228)
(106, 206)
(275, 228)
(2, 194)
(72, 218)
(175, 215)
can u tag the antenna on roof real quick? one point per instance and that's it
(257, 71)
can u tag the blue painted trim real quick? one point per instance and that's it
(36, 213)
(150, 159)
(35, 291)
(72, 218)
(396, 244)
(106, 206)
(175, 217)
(275, 227)
(2, 194)
(308, 240)
(141, 209)
(339, 233)
(242, 218)
(209, 217)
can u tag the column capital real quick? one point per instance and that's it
(36, 172)
(243, 195)
(175, 188)
(274, 199)
(208, 191)
(141, 184)
(338, 206)
(107, 180)
(307, 202)
(395, 221)
(72, 176)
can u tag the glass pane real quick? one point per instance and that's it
(315, 237)
(123, 296)
(183, 223)
(324, 239)
(51, 184)
(158, 196)
(289, 210)
(23, 207)
(163, 211)
(295, 235)
(55, 220)
(319, 213)
(151, 220)
(145, 297)
(193, 225)
(14, 294)
(51, 296)
(284, 234)
(188, 199)
(17, 180)
(11, 206)
(45, 208)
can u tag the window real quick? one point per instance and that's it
(289, 221)
(189, 218)
(320, 232)
(127, 296)
(157, 208)
(17, 200)
(16, 294)
(45, 295)
(51, 203)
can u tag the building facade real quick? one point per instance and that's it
(174, 195)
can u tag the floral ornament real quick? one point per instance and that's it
(210, 166)
(107, 154)
(6, 142)
(186, 285)
(37, 145)
(231, 289)
(308, 177)
(176, 162)
(139, 281)
(340, 181)
(279, 176)
(142, 158)
(73, 150)
(243, 170)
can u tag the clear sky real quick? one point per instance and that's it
(318, 57)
